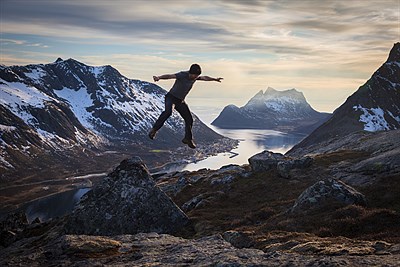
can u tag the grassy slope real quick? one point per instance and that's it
(257, 204)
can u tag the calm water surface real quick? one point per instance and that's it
(251, 141)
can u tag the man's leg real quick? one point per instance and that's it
(169, 106)
(184, 110)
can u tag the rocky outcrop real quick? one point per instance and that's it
(127, 201)
(325, 193)
(174, 183)
(285, 166)
(239, 239)
(202, 200)
(267, 161)
(151, 249)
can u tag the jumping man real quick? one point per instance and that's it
(175, 99)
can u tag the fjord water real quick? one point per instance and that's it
(251, 141)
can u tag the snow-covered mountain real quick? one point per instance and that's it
(375, 106)
(67, 106)
(278, 110)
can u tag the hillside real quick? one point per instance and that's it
(375, 106)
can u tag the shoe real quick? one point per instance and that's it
(152, 133)
(188, 142)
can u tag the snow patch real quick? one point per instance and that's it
(19, 94)
(36, 74)
(53, 140)
(8, 129)
(79, 101)
(97, 71)
(5, 163)
(373, 119)
(394, 117)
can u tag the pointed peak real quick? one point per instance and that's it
(59, 60)
(270, 89)
(71, 60)
(394, 54)
(258, 95)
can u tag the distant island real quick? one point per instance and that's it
(286, 111)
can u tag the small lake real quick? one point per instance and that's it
(55, 205)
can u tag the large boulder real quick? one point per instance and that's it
(265, 161)
(285, 166)
(325, 193)
(127, 201)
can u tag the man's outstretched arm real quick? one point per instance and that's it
(209, 79)
(164, 77)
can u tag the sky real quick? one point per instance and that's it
(325, 49)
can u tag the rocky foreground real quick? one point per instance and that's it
(337, 205)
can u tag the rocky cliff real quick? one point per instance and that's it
(375, 106)
(127, 201)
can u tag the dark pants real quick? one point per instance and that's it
(172, 102)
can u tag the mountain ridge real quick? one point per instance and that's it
(375, 106)
(68, 105)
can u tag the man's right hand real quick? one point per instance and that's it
(156, 78)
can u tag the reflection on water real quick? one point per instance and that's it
(251, 143)
(55, 205)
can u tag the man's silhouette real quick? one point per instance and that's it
(175, 99)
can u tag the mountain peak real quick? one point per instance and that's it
(59, 60)
(394, 54)
(271, 93)
(259, 94)
(373, 107)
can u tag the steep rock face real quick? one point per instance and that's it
(127, 201)
(280, 110)
(375, 106)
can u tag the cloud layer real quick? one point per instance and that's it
(316, 46)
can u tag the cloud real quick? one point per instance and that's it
(334, 45)
(202, 25)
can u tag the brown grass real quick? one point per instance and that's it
(259, 204)
(325, 160)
